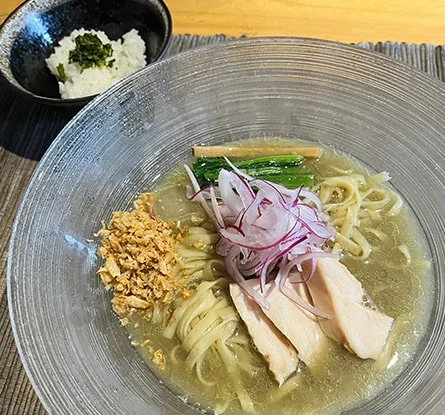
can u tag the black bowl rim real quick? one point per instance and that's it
(8, 29)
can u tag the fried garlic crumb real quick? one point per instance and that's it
(141, 265)
(198, 244)
(186, 293)
(159, 360)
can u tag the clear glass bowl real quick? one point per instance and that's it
(385, 114)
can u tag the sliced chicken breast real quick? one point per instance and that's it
(299, 326)
(276, 349)
(361, 329)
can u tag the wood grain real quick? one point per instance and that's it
(343, 20)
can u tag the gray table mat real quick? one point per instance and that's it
(429, 58)
(22, 126)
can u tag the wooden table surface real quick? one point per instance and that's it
(410, 21)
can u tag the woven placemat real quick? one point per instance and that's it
(428, 58)
(22, 126)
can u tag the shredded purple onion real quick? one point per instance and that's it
(266, 230)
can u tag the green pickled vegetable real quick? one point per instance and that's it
(286, 170)
(90, 51)
(61, 71)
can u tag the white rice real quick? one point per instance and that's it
(128, 52)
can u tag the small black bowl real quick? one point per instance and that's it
(30, 33)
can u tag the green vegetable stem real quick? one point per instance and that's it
(61, 72)
(286, 170)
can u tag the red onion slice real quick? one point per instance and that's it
(267, 231)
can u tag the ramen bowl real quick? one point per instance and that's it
(385, 114)
(31, 32)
